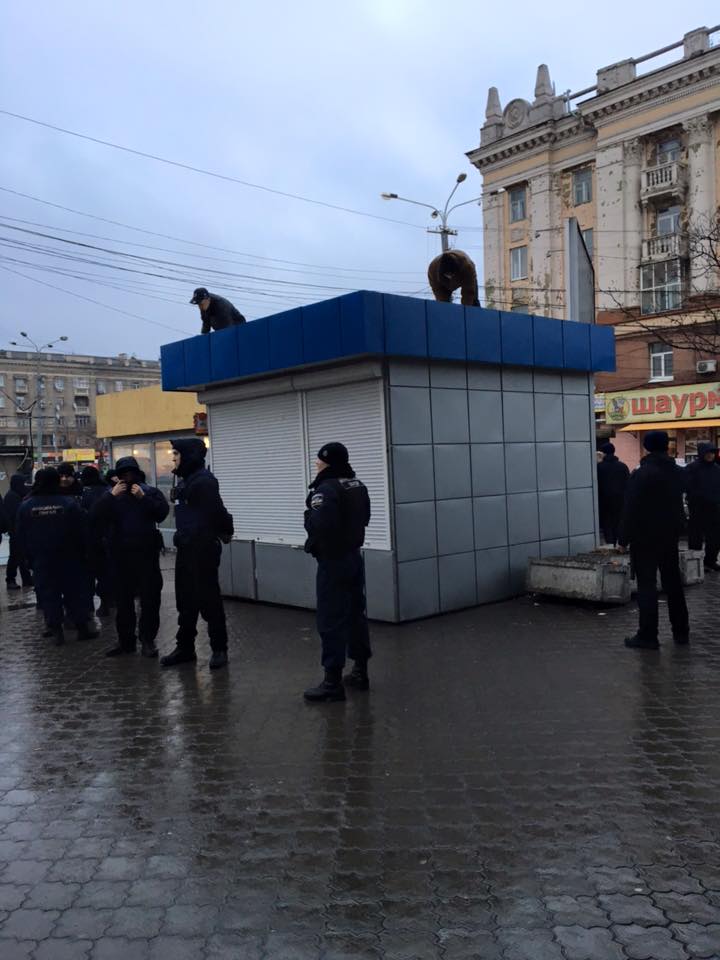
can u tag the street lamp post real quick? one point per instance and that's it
(444, 230)
(36, 448)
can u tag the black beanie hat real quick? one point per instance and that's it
(608, 449)
(65, 470)
(334, 454)
(656, 441)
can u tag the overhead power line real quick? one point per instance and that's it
(208, 173)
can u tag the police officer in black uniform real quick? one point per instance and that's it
(338, 510)
(201, 524)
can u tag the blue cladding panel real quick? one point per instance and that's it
(286, 346)
(253, 346)
(576, 345)
(197, 359)
(446, 330)
(224, 354)
(321, 331)
(483, 335)
(548, 341)
(602, 348)
(516, 331)
(172, 361)
(362, 328)
(405, 327)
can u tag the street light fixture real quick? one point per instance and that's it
(435, 213)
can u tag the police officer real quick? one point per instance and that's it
(93, 488)
(16, 562)
(702, 479)
(51, 533)
(612, 476)
(652, 522)
(201, 523)
(337, 512)
(70, 486)
(127, 516)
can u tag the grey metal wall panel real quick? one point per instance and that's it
(410, 415)
(415, 536)
(582, 544)
(453, 375)
(418, 592)
(518, 380)
(409, 373)
(486, 416)
(551, 466)
(413, 473)
(449, 415)
(545, 381)
(577, 417)
(553, 514)
(518, 417)
(520, 557)
(487, 461)
(490, 522)
(520, 467)
(225, 571)
(579, 465)
(581, 512)
(483, 378)
(454, 526)
(575, 383)
(243, 569)
(457, 581)
(493, 574)
(452, 471)
(523, 525)
(381, 585)
(548, 417)
(285, 575)
(555, 548)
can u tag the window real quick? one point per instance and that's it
(59, 384)
(660, 286)
(668, 221)
(81, 385)
(518, 263)
(661, 362)
(587, 236)
(101, 387)
(517, 204)
(668, 151)
(21, 385)
(135, 385)
(48, 439)
(2, 402)
(60, 421)
(582, 186)
(118, 385)
(82, 403)
(82, 421)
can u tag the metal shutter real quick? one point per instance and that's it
(354, 414)
(258, 458)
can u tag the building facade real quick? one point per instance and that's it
(634, 160)
(62, 390)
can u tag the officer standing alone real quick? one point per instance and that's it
(338, 511)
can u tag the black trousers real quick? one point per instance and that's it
(704, 528)
(197, 593)
(341, 612)
(137, 574)
(15, 563)
(61, 584)
(611, 509)
(647, 560)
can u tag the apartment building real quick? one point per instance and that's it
(634, 159)
(62, 390)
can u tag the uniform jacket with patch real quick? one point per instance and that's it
(337, 513)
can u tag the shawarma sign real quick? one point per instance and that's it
(694, 401)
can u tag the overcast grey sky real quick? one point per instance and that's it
(335, 102)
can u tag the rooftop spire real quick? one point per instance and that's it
(493, 111)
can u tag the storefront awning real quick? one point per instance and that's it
(669, 425)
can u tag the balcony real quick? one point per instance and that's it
(664, 180)
(665, 247)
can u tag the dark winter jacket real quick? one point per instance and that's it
(653, 513)
(14, 497)
(129, 523)
(337, 513)
(220, 314)
(4, 523)
(50, 528)
(613, 476)
(200, 514)
(702, 480)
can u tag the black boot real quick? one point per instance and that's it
(178, 656)
(48, 632)
(681, 639)
(121, 649)
(329, 691)
(218, 659)
(640, 643)
(148, 648)
(11, 585)
(87, 632)
(58, 636)
(358, 677)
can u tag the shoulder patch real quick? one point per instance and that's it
(350, 484)
(317, 501)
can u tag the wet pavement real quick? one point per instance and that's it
(516, 785)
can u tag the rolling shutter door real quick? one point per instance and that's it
(354, 414)
(258, 459)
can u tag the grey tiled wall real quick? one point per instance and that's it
(489, 467)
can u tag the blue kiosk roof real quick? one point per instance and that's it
(386, 325)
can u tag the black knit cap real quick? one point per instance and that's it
(334, 454)
(656, 441)
(65, 470)
(608, 449)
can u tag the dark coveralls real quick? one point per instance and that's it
(201, 521)
(652, 522)
(98, 555)
(613, 476)
(51, 532)
(220, 314)
(12, 500)
(702, 481)
(134, 544)
(338, 510)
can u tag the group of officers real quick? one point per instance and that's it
(645, 512)
(74, 537)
